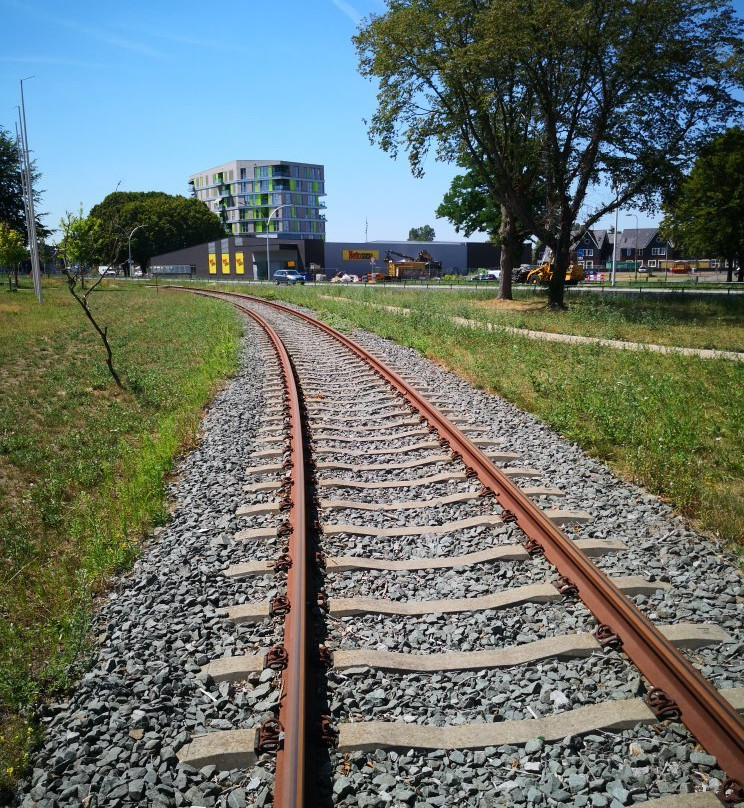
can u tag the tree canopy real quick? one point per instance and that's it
(576, 95)
(12, 246)
(423, 233)
(706, 214)
(11, 192)
(80, 245)
(165, 223)
(469, 207)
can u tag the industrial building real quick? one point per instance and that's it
(246, 257)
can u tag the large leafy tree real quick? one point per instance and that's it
(423, 233)
(11, 191)
(574, 94)
(705, 216)
(470, 207)
(164, 223)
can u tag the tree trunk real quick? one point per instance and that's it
(740, 273)
(729, 270)
(561, 261)
(508, 238)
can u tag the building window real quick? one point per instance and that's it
(589, 252)
(652, 264)
(658, 251)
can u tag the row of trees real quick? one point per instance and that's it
(548, 104)
(161, 223)
(164, 222)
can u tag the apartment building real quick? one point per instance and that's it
(256, 197)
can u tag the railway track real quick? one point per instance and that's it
(411, 556)
(424, 550)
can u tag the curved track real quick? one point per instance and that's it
(401, 460)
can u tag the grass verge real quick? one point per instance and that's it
(83, 467)
(671, 319)
(673, 424)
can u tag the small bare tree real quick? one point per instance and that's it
(79, 250)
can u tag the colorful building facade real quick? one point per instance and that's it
(255, 197)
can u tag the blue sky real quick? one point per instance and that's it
(147, 93)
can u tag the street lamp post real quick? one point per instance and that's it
(129, 242)
(614, 248)
(268, 222)
(635, 254)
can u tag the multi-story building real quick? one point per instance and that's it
(246, 195)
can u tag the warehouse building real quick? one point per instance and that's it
(246, 257)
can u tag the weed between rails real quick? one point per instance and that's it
(83, 468)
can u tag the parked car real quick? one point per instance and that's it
(288, 276)
(491, 275)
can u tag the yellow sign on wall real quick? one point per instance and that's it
(212, 264)
(359, 255)
(226, 264)
(239, 265)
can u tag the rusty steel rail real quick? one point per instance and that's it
(676, 684)
(291, 771)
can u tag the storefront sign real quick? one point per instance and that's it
(359, 255)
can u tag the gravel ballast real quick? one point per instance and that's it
(114, 741)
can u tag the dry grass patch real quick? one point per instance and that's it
(511, 305)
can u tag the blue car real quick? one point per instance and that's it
(288, 276)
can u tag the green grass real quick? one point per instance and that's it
(673, 424)
(692, 322)
(83, 466)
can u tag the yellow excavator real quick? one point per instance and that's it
(405, 268)
(544, 273)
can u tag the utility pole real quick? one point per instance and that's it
(28, 196)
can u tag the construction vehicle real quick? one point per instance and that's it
(544, 274)
(405, 269)
(425, 256)
(409, 268)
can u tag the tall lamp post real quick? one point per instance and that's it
(614, 244)
(129, 242)
(268, 222)
(635, 254)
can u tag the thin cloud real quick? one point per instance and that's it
(92, 31)
(51, 60)
(187, 40)
(349, 10)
